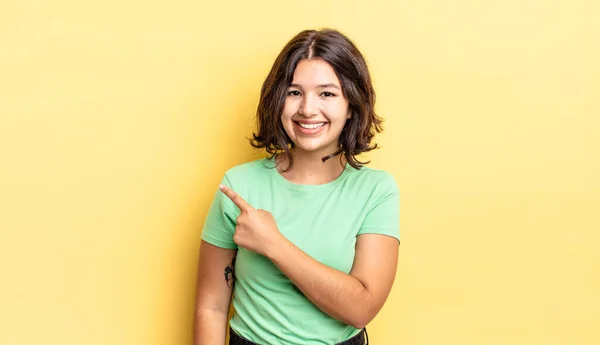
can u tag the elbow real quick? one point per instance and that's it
(360, 325)
(360, 322)
(361, 318)
(364, 310)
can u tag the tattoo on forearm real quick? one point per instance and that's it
(230, 274)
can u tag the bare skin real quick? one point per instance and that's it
(213, 293)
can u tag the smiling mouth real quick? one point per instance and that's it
(311, 125)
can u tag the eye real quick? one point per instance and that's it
(327, 94)
(293, 93)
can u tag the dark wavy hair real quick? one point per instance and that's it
(351, 69)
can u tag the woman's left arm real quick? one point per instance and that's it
(353, 298)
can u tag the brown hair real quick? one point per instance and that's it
(350, 68)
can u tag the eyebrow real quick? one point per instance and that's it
(320, 86)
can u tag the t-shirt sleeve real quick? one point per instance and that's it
(220, 222)
(384, 214)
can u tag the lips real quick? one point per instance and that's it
(311, 125)
(310, 128)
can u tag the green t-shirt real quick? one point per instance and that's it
(323, 221)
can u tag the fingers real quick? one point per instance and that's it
(237, 200)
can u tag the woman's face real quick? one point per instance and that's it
(315, 108)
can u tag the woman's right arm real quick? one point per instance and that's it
(213, 293)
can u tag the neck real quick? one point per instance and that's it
(309, 168)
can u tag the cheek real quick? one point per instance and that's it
(286, 118)
(338, 111)
(288, 111)
(291, 104)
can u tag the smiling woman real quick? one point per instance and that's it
(318, 73)
(315, 110)
(309, 234)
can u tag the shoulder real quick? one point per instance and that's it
(383, 203)
(248, 172)
(380, 181)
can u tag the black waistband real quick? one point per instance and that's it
(359, 339)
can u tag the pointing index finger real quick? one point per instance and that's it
(236, 198)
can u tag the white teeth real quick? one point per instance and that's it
(312, 125)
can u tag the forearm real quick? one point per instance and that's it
(338, 294)
(210, 327)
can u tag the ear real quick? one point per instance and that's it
(349, 116)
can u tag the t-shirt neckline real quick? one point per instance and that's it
(305, 187)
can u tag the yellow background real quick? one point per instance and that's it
(118, 120)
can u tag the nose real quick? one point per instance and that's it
(308, 106)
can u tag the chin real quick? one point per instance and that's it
(323, 150)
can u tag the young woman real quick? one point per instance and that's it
(307, 239)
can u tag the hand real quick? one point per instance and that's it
(256, 230)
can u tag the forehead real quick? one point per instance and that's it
(314, 72)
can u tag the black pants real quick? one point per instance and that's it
(358, 339)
